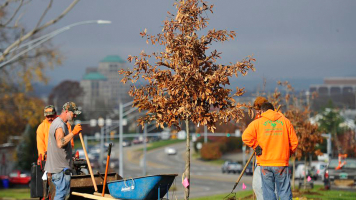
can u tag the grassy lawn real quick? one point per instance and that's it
(78, 144)
(239, 195)
(318, 193)
(23, 193)
(161, 143)
(215, 162)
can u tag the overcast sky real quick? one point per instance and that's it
(304, 40)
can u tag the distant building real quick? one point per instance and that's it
(102, 87)
(340, 90)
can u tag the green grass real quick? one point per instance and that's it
(215, 162)
(239, 195)
(161, 143)
(317, 193)
(78, 144)
(23, 193)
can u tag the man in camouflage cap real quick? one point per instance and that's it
(43, 129)
(70, 106)
(59, 156)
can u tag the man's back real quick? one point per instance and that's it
(275, 135)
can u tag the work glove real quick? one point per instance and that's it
(258, 150)
(77, 129)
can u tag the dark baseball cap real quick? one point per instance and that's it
(70, 106)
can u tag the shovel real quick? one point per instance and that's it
(243, 171)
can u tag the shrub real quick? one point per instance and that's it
(211, 151)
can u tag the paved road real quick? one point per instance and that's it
(206, 179)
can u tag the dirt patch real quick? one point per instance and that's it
(248, 197)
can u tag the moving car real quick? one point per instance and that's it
(230, 166)
(170, 151)
(344, 177)
(126, 143)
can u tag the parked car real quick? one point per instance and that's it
(320, 168)
(249, 170)
(170, 151)
(18, 177)
(344, 177)
(230, 166)
(300, 171)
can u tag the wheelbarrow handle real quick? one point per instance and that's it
(244, 169)
(106, 169)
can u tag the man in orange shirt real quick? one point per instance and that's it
(43, 129)
(274, 139)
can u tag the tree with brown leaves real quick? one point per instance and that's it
(184, 83)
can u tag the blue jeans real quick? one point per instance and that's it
(279, 177)
(62, 183)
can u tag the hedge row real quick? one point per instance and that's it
(214, 150)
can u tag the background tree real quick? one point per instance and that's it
(64, 92)
(184, 83)
(17, 108)
(330, 122)
(27, 148)
(298, 113)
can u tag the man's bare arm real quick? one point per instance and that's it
(62, 140)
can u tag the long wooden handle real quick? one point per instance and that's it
(243, 171)
(89, 166)
(106, 169)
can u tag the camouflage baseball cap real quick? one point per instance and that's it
(49, 110)
(258, 102)
(70, 106)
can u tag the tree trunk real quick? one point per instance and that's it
(293, 174)
(305, 172)
(187, 160)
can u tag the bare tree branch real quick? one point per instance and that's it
(35, 30)
(13, 15)
(6, 3)
(44, 14)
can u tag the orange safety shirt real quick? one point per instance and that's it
(275, 135)
(42, 136)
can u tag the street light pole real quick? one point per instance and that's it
(38, 41)
(121, 129)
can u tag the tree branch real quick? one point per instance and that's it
(14, 14)
(35, 30)
(44, 14)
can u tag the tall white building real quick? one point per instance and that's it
(102, 87)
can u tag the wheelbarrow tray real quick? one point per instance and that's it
(82, 181)
(142, 188)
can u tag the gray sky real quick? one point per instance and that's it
(304, 40)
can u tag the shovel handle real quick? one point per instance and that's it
(244, 169)
(87, 158)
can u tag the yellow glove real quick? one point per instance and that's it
(77, 129)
